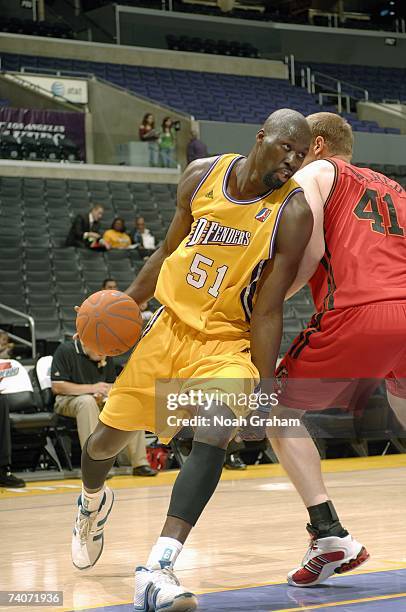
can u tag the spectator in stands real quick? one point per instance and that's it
(196, 149)
(85, 230)
(149, 134)
(81, 380)
(142, 238)
(167, 144)
(226, 6)
(7, 479)
(116, 237)
(110, 283)
(6, 347)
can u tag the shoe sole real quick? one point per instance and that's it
(183, 603)
(347, 565)
(102, 539)
(352, 564)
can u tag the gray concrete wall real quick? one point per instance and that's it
(88, 172)
(239, 138)
(116, 116)
(95, 52)
(342, 46)
(308, 43)
(386, 115)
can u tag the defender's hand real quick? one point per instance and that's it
(256, 420)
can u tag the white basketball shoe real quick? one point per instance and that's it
(325, 557)
(159, 589)
(88, 537)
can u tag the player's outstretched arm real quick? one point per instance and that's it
(293, 235)
(143, 287)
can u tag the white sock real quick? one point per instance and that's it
(91, 501)
(164, 553)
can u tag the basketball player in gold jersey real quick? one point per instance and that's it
(231, 253)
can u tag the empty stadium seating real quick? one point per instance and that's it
(208, 45)
(38, 276)
(35, 28)
(32, 149)
(381, 82)
(209, 96)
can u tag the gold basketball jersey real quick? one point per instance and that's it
(209, 282)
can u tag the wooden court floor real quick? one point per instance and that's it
(251, 534)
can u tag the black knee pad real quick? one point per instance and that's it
(196, 482)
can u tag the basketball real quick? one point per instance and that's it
(109, 322)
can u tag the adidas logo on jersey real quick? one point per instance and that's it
(209, 195)
(211, 232)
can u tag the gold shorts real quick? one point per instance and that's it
(173, 357)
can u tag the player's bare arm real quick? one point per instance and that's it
(267, 319)
(316, 180)
(143, 287)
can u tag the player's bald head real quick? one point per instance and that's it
(288, 123)
(281, 146)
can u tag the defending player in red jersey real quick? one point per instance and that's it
(356, 263)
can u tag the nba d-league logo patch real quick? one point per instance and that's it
(263, 215)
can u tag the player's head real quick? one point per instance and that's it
(331, 136)
(281, 146)
(110, 283)
(97, 211)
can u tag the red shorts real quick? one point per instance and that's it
(344, 353)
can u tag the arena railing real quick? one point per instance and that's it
(314, 81)
(32, 344)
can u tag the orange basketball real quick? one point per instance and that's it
(109, 322)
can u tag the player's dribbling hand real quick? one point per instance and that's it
(255, 430)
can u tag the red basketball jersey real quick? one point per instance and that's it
(365, 235)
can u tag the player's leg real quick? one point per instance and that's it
(129, 408)
(225, 364)
(299, 457)
(319, 352)
(398, 405)
(96, 500)
(332, 548)
(396, 390)
(156, 585)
